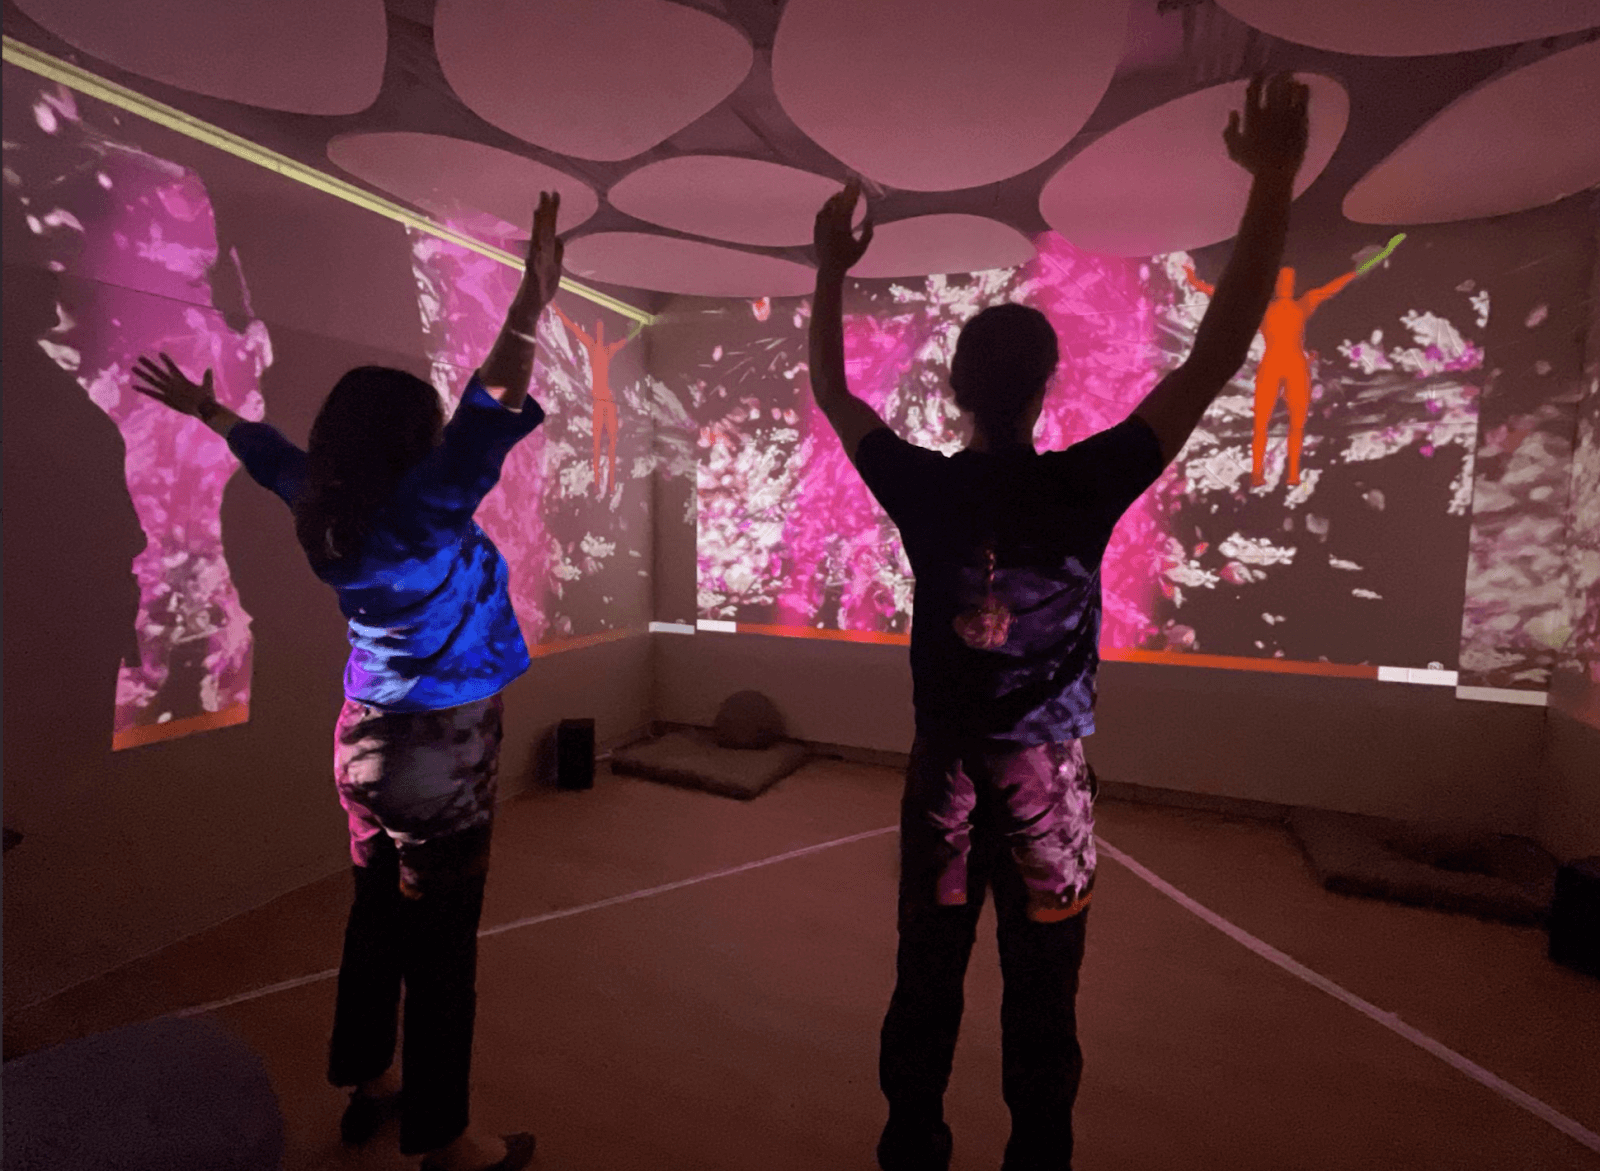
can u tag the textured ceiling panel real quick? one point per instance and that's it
(642, 261)
(595, 80)
(1163, 181)
(1413, 28)
(744, 201)
(1523, 140)
(478, 189)
(931, 244)
(937, 95)
(301, 56)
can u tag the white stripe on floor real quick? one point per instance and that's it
(1387, 1019)
(1263, 949)
(548, 916)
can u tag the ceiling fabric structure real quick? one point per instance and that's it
(1477, 158)
(742, 201)
(1163, 181)
(1413, 28)
(593, 80)
(938, 95)
(481, 190)
(704, 135)
(669, 265)
(925, 245)
(298, 56)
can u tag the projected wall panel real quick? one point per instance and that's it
(1352, 570)
(119, 247)
(134, 238)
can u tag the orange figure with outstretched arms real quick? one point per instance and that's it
(1284, 365)
(605, 407)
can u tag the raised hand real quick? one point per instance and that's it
(545, 249)
(170, 387)
(836, 242)
(1272, 136)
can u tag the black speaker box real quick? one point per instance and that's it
(575, 754)
(1575, 917)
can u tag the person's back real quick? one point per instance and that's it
(1045, 520)
(422, 587)
(1283, 327)
(1005, 544)
(383, 499)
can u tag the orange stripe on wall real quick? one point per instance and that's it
(230, 717)
(173, 729)
(1115, 654)
(871, 636)
(578, 642)
(1240, 663)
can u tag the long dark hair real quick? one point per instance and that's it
(1004, 357)
(376, 424)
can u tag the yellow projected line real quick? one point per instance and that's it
(27, 57)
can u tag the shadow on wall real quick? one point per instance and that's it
(71, 599)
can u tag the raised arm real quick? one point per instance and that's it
(1314, 297)
(509, 366)
(1196, 283)
(613, 347)
(1270, 145)
(573, 326)
(837, 249)
(272, 461)
(168, 385)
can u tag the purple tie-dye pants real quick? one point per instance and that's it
(419, 779)
(1037, 802)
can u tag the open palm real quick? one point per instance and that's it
(1273, 132)
(169, 386)
(545, 250)
(836, 242)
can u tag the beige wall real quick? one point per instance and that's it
(1568, 809)
(172, 838)
(1381, 748)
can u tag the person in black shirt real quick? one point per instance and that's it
(1005, 544)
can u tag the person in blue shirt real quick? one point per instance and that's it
(383, 499)
(1005, 545)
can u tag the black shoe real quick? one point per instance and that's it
(365, 1116)
(519, 1153)
(915, 1147)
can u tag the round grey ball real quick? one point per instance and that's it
(748, 719)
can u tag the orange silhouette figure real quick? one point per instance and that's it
(1284, 365)
(605, 407)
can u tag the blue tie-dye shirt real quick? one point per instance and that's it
(1048, 517)
(431, 623)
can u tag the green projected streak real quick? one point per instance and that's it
(27, 57)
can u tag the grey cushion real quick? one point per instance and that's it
(694, 760)
(748, 719)
(152, 1097)
(1494, 876)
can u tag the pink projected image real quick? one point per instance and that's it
(576, 556)
(134, 240)
(1209, 561)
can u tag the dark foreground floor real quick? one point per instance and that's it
(729, 1022)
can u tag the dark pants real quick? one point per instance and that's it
(427, 938)
(1023, 810)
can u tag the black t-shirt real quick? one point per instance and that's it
(1047, 518)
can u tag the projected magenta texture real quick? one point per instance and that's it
(576, 556)
(1208, 561)
(135, 241)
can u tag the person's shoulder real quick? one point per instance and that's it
(1132, 437)
(882, 442)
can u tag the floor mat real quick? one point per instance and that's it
(1497, 876)
(692, 760)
